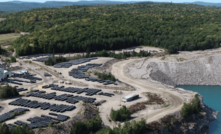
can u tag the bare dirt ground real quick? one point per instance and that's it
(129, 72)
(133, 72)
(39, 69)
(1, 19)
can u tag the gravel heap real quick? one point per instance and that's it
(204, 71)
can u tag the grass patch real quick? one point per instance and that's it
(88, 73)
(163, 58)
(7, 39)
(182, 59)
(28, 61)
(79, 112)
(105, 76)
(166, 105)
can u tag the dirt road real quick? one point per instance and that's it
(118, 70)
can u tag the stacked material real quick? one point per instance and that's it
(44, 106)
(42, 95)
(21, 89)
(12, 113)
(89, 91)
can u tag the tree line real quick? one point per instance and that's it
(176, 27)
(104, 76)
(4, 129)
(8, 91)
(191, 108)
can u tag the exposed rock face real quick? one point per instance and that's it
(195, 124)
(204, 71)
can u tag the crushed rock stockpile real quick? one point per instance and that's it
(204, 71)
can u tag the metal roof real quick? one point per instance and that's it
(129, 96)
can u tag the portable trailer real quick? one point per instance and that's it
(130, 97)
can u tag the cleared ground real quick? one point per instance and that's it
(111, 102)
(1, 19)
(121, 71)
(132, 72)
(7, 39)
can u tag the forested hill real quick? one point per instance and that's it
(13, 6)
(91, 28)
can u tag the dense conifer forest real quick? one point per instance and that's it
(77, 28)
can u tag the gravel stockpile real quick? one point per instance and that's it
(204, 71)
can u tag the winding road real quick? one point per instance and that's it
(176, 102)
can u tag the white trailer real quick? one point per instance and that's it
(130, 97)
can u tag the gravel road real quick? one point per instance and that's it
(118, 70)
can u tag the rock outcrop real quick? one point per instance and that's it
(195, 124)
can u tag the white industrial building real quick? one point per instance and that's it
(130, 97)
(4, 74)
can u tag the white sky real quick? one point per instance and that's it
(174, 1)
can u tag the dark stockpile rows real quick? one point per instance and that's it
(73, 62)
(42, 121)
(89, 91)
(26, 76)
(106, 94)
(79, 73)
(21, 89)
(47, 75)
(84, 99)
(42, 95)
(64, 97)
(12, 114)
(44, 106)
(153, 99)
(43, 59)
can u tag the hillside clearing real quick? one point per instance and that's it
(1, 19)
(7, 39)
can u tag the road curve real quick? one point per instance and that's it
(175, 101)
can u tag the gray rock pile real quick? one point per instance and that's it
(204, 71)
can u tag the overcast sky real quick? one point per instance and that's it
(174, 1)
